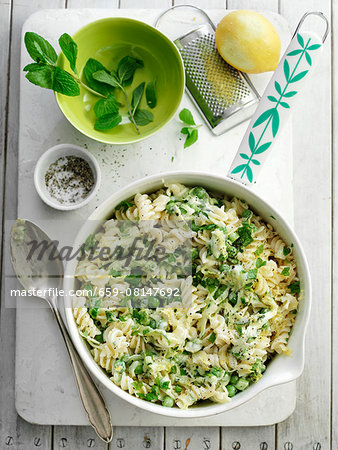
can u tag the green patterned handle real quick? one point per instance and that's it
(275, 106)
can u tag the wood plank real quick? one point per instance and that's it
(144, 4)
(334, 387)
(138, 438)
(72, 437)
(260, 438)
(124, 437)
(15, 432)
(90, 4)
(260, 5)
(191, 438)
(309, 426)
(76, 438)
(208, 437)
(209, 4)
(256, 437)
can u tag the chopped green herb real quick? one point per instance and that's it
(239, 330)
(212, 337)
(222, 288)
(194, 253)
(110, 316)
(252, 274)
(259, 250)
(115, 273)
(164, 385)
(286, 251)
(173, 369)
(245, 235)
(295, 287)
(260, 263)
(200, 192)
(286, 271)
(246, 214)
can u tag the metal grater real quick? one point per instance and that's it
(224, 95)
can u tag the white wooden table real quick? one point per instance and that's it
(314, 424)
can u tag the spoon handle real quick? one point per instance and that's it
(91, 397)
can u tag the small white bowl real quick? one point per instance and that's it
(48, 158)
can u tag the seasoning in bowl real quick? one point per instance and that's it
(69, 180)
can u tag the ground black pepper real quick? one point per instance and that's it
(69, 179)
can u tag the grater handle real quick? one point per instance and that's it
(276, 103)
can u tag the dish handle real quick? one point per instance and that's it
(276, 104)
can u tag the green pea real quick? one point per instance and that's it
(231, 390)
(199, 192)
(226, 378)
(138, 369)
(168, 402)
(242, 384)
(153, 302)
(246, 214)
(234, 379)
(224, 268)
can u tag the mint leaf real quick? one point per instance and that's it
(107, 105)
(92, 66)
(143, 117)
(33, 66)
(186, 117)
(151, 94)
(43, 77)
(39, 49)
(106, 78)
(64, 83)
(191, 138)
(107, 122)
(187, 130)
(69, 48)
(286, 271)
(137, 95)
(126, 69)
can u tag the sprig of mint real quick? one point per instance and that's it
(100, 81)
(122, 77)
(191, 130)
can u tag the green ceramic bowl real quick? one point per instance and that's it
(108, 41)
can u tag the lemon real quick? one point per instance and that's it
(248, 42)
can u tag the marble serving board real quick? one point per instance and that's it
(45, 388)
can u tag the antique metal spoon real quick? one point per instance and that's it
(39, 271)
